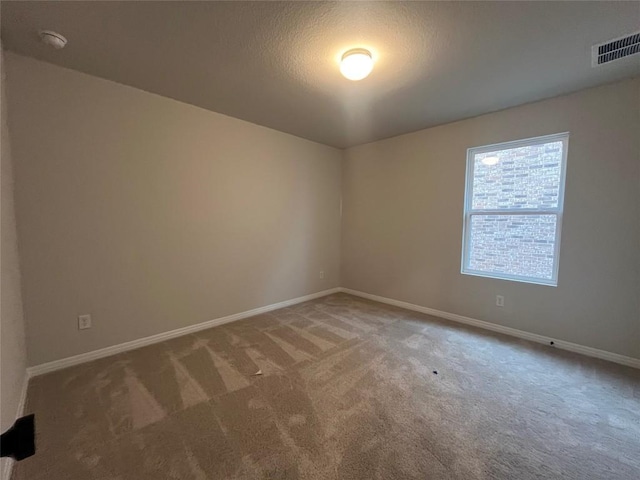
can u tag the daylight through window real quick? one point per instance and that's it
(513, 209)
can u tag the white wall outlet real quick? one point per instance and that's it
(499, 301)
(84, 321)
(321, 273)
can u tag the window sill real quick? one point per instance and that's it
(497, 276)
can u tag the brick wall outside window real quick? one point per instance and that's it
(524, 178)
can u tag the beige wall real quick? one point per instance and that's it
(13, 356)
(151, 214)
(402, 224)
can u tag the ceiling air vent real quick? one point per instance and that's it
(615, 49)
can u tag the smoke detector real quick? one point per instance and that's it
(53, 39)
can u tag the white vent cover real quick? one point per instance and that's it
(615, 49)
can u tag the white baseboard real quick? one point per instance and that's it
(8, 466)
(123, 347)
(161, 337)
(23, 395)
(572, 347)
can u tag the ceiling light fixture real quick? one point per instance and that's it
(490, 160)
(356, 64)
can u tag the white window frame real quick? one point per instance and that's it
(558, 211)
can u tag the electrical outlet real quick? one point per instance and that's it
(84, 321)
(499, 301)
(321, 274)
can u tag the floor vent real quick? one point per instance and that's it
(615, 49)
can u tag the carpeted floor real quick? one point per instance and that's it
(348, 390)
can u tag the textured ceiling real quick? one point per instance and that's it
(276, 63)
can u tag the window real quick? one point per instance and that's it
(513, 209)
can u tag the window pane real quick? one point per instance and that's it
(523, 177)
(519, 245)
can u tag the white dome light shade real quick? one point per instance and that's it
(356, 64)
(490, 160)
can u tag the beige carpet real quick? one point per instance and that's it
(348, 391)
